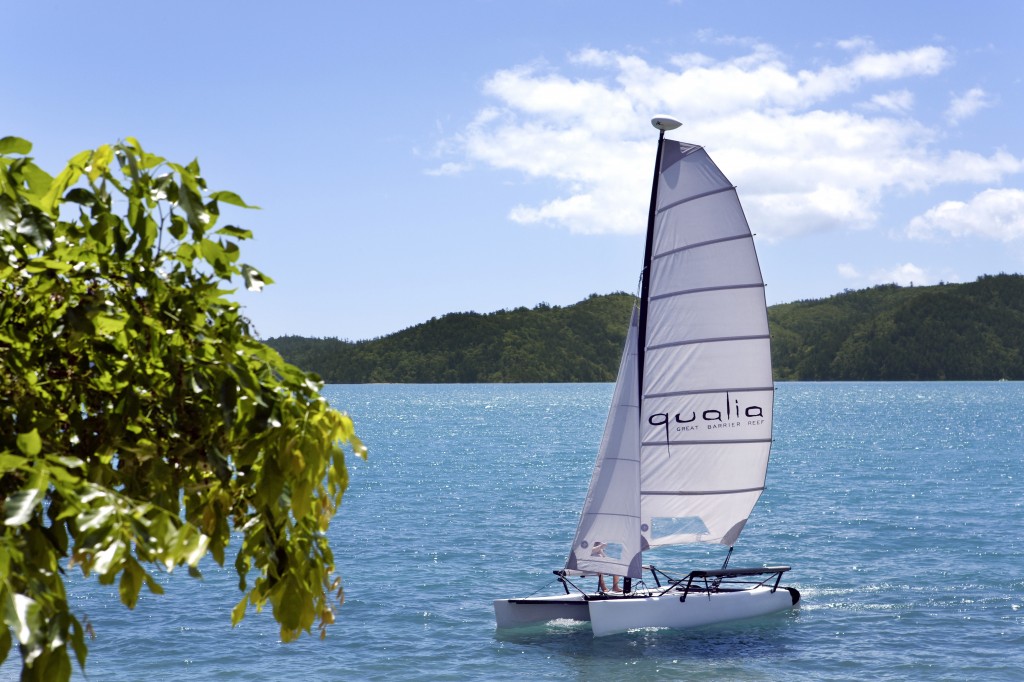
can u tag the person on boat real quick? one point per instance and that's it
(599, 551)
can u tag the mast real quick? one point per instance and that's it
(662, 123)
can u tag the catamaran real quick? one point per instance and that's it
(684, 455)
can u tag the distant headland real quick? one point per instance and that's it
(972, 331)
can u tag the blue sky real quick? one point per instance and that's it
(416, 158)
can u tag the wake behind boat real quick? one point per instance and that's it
(685, 449)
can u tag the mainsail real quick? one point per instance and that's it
(685, 451)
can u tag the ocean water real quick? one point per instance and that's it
(898, 505)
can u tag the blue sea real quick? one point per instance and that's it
(898, 505)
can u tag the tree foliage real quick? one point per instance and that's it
(581, 342)
(972, 331)
(141, 423)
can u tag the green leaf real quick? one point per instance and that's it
(230, 198)
(178, 228)
(95, 518)
(108, 558)
(198, 551)
(78, 642)
(131, 583)
(21, 613)
(99, 161)
(195, 212)
(64, 179)
(237, 232)
(56, 666)
(153, 585)
(67, 461)
(254, 279)
(10, 215)
(213, 252)
(106, 324)
(80, 195)
(5, 641)
(144, 159)
(238, 613)
(9, 462)
(20, 506)
(37, 228)
(38, 180)
(289, 607)
(14, 145)
(302, 495)
(30, 443)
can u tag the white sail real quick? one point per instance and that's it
(707, 392)
(608, 538)
(690, 464)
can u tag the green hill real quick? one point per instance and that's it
(581, 342)
(949, 331)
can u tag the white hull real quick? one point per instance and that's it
(516, 613)
(612, 616)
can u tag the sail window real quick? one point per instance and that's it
(611, 550)
(664, 526)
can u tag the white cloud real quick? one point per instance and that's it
(993, 213)
(801, 161)
(897, 101)
(903, 275)
(449, 168)
(858, 43)
(847, 271)
(966, 105)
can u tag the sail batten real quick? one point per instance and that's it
(733, 389)
(705, 442)
(723, 339)
(695, 197)
(701, 492)
(704, 290)
(699, 245)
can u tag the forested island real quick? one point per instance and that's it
(545, 344)
(971, 331)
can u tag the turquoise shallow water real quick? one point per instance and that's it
(898, 505)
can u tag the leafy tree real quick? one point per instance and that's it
(141, 424)
(581, 342)
(969, 331)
